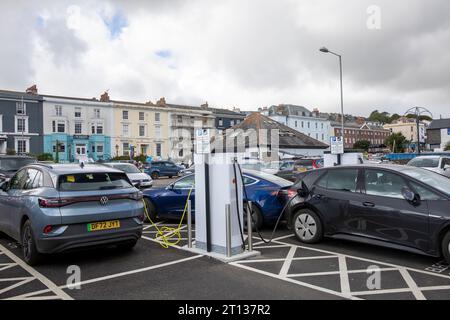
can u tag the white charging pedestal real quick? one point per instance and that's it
(215, 180)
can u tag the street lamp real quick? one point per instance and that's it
(325, 50)
(418, 111)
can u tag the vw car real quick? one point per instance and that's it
(55, 208)
(159, 169)
(261, 188)
(439, 164)
(394, 206)
(137, 177)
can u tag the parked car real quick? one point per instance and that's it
(159, 169)
(55, 208)
(9, 165)
(138, 178)
(261, 188)
(439, 164)
(395, 206)
(290, 169)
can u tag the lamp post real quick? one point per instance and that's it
(418, 111)
(325, 50)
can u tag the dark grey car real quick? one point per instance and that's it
(395, 206)
(55, 208)
(9, 165)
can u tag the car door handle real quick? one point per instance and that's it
(368, 204)
(318, 196)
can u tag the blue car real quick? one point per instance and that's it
(163, 169)
(261, 188)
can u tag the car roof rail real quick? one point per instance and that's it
(42, 165)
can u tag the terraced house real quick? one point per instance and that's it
(77, 128)
(141, 128)
(21, 122)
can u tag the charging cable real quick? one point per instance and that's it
(168, 236)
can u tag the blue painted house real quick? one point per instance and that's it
(81, 128)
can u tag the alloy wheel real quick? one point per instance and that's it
(305, 226)
(27, 242)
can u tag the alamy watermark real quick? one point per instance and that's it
(74, 280)
(374, 17)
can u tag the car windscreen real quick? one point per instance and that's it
(437, 181)
(127, 168)
(93, 181)
(14, 164)
(424, 162)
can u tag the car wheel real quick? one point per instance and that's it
(151, 211)
(170, 177)
(154, 175)
(257, 218)
(126, 246)
(307, 226)
(446, 247)
(29, 250)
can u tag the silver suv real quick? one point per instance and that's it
(55, 208)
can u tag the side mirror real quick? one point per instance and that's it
(410, 196)
(138, 185)
(303, 191)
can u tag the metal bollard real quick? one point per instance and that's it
(250, 227)
(189, 224)
(228, 228)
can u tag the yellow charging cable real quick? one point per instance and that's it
(168, 236)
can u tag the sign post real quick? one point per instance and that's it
(337, 147)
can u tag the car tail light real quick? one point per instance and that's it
(289, 193)
(48, 229)
(51, 202)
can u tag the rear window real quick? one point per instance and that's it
(93, 181)
(424, 162)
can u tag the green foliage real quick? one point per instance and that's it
(421, 118)
(382, 117)
(45, 157)
(447, 146)
(400, 142)
(362, 145)
(11, 152)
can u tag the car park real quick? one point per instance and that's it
(9, 165)
(261, 188)
(56, 208)
(400, 207)
(159, 169)
(289, 169)
(138, 178)
(439, 164)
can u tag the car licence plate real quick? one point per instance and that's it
(104, 225)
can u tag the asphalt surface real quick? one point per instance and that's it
(286, 269)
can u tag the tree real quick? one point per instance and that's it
(382, 117)
(421, 118)
(397, 142)
(447, 146)
(362, 144)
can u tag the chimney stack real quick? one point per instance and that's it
(161, 102)
(104, 97)
(32, 90)
(205, 105)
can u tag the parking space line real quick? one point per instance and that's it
(412, 284)
(343, 272)
(304, 284)
(15, 285)
(284, 259)
(4, 266)
(112, 276)
(287, 262)
(44, 280)
(14, 279)
(312, 274)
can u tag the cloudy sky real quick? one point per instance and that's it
(242, 53)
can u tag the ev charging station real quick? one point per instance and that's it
(219, 204)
